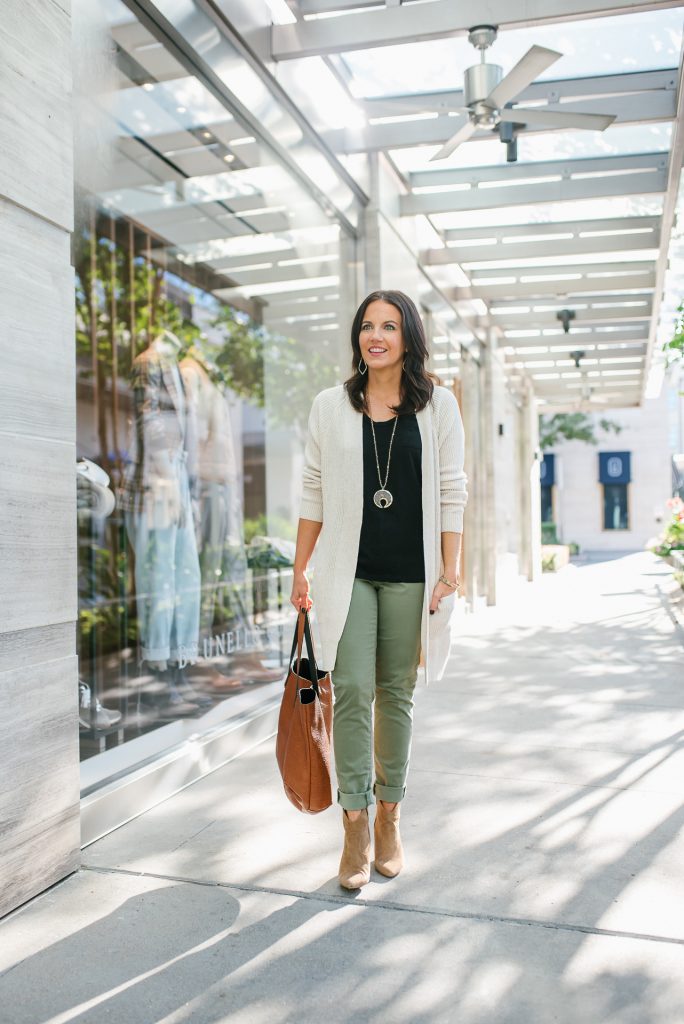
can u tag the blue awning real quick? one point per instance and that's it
(615, 467)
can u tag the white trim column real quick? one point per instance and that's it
(530, 491)
(488, 509)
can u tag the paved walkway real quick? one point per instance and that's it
(543, 830)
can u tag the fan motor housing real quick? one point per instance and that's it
(479, 81)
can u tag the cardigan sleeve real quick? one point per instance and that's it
(452, 478)
(311, 506)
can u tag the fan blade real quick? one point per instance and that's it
(462, 135)
(536, 60)
(557, 118)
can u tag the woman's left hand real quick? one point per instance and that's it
(442, 590)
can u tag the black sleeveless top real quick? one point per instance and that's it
(391, 545)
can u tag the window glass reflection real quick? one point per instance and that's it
(209, 295)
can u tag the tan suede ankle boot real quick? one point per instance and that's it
(389, 855)
(356, 855)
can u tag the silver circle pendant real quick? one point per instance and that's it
(383, 498)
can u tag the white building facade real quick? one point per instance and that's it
(612, 496)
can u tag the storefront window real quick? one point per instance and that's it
(212, 297)
(615, 474)
(546, 504)
(615, 515)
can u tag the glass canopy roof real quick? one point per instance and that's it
(481, 216)
(600, 46)
(256, 164)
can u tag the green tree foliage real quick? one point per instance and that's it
(572, 426)
(674, 348)
(123, 301)
(279, 373)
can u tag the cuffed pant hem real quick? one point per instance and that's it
(155, 654)
(355, 801)
(390, 794)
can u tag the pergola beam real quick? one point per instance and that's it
(627, 315)
(566, 190)
(615, 355)
(275, 256)
(564, 404)
(647, 107)
(532, 250)
(598, 386)
(565, 291)
(270, 275)
(596, 383)
(328, 6)
(303, 288)
(591, 271)
(443, 18)
(552, 228)
(593, 165)
(604, 397)
(280, 312)
(592, 341)
(550, 90)
(608, 298)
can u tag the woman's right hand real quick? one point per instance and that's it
(300, 592)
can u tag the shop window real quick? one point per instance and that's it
(615, 474)
(547, 504)
(547, 476)
(209, 294)
(181, 586)
(615, 509)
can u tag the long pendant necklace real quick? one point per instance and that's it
(383, 498)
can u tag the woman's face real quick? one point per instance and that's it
(381, 338)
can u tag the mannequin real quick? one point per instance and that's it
(156, 497)
(223, 558)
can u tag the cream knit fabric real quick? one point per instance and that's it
(333, 496)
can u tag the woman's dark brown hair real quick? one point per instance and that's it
(417, 383)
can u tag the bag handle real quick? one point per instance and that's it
(302, 635)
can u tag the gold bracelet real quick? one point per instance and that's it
(448, 583)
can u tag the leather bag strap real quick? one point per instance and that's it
(303, 635)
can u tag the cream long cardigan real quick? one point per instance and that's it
(333, 496)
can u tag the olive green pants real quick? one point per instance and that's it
(377, 660)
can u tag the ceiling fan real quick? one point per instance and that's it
(489, 96)
(587, 398)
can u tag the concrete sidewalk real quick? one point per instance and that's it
(543, 830)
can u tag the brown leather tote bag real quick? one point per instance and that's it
(304, 727)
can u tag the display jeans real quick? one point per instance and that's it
(167, 583)
(377, 662)
(223, 560)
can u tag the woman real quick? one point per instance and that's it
(384, 493)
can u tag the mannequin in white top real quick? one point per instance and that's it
(156, 499)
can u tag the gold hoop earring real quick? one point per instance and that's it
(403, 366)
(365, 366)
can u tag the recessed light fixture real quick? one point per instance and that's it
(148, 86)
(206, 135)
(229, 157)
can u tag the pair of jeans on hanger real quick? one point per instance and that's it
(223, 558)
(167, 579)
